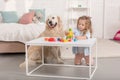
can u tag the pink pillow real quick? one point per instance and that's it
(27, 18)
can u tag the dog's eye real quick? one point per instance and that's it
(53, 17)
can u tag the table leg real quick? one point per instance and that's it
(90, 57)
(42, 54)
(96, 65)
(26, 59)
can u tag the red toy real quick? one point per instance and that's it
(51, 39)
(57, 39)
(46, 39)
(117, 36)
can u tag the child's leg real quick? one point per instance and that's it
(78, 55)
(78, 58)
(87, 59)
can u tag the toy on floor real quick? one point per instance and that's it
(117, 36)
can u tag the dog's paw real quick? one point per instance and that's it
(60, 61)
(22, 65)
(30, 63)
(39, 62)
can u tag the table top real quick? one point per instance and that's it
(80, 43)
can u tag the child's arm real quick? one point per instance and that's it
(81, 37)
(86, 36)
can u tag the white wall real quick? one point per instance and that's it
(112, 18)
(13, 5)
(97, 17)
(2, 5)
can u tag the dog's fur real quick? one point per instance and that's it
(54, 28)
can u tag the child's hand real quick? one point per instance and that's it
(77, 37)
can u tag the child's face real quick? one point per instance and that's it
(81, 25)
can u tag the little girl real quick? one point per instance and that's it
(82, 32)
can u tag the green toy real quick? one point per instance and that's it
(70, 34)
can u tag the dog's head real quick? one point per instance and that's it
(53, 22)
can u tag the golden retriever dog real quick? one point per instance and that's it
(52, 54)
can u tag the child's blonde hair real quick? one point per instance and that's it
(88, 24)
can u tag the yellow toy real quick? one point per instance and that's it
(69, 34)
(69, 37)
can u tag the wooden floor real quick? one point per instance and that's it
(108, 69)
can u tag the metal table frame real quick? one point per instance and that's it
(85, 43)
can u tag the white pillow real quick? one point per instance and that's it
(0, 18)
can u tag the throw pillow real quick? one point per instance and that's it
(9, 16)
(27, 18)
(39, 14)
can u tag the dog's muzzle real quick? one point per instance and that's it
(51, 24)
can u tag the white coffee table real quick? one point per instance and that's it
(54, 70)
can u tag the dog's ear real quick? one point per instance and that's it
(47, 24)
(60, 22)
